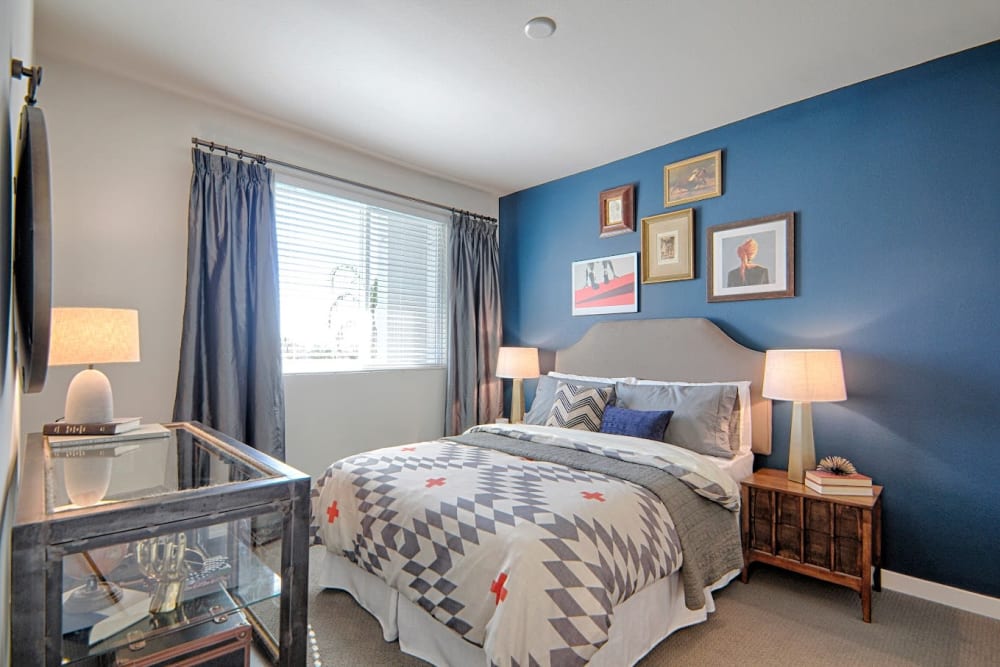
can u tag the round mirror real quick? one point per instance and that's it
(32, 250)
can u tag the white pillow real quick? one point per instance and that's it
(743, 391)
(591, 378)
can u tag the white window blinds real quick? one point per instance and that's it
(363, 285)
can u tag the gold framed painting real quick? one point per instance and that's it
(617, 211)
(752, 259)
(696, 178)
(668, 247)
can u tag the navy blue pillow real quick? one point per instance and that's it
(649, 424)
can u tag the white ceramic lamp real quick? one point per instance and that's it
(92, 336)
(517, 363)
(805, 377)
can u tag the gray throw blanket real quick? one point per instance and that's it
(709, 533)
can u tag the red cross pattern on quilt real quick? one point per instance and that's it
(498, 589)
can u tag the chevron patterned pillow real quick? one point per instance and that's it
(579, 407)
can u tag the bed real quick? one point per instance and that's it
(541, 544)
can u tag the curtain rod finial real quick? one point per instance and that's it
(34, 74)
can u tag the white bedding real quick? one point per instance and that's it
(641, 619)
(738, 468)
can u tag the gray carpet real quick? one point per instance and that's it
(778, 618)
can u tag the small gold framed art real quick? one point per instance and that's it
(617, 211)
(696, 178)
(668, 246)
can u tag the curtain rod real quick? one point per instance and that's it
(263, 159)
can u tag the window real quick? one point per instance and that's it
(362, 282)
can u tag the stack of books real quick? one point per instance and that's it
(113, 427)
(833, 484)
(111, 438)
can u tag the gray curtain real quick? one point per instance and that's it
(474, 394)
(229, 376)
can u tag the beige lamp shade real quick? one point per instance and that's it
(807, 376)
(517, 362)
(93, 336)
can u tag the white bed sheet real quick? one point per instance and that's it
(641, 622)
(739, 467)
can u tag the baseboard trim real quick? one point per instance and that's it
(946, 595)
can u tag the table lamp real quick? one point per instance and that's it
(517, 363)
(92, 336)
(805, 377)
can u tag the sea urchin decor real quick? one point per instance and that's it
(837, 465)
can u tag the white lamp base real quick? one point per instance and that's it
(801, 448)
(517, 402)
(89, 399)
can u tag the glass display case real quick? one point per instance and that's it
(137, 551)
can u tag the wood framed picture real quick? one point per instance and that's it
(752, 259)
(668, 246)
(693, 179)
(617, 211)
(605, 285)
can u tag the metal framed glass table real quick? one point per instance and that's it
(142, 550)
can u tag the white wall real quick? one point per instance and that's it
(365, 411)
(121, 174)
(15, 42)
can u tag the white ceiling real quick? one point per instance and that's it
(454, 88)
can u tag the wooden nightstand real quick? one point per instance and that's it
(833, 538)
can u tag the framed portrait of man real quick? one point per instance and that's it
(752, 259)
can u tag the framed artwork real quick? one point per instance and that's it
(752, 259)
(605, 285)
(668, 246)
(693, 179)
(617, 211)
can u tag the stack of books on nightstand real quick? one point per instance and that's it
(112, 438)
(834, 484)
(113, 427)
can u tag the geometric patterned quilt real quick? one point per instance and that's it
(524, 558)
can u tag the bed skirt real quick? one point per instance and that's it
(640, 623)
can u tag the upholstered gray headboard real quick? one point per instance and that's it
(682, 349)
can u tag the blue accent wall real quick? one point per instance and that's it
(896, 187)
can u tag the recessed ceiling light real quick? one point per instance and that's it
(539, 27)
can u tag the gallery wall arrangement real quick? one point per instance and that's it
(747, 259)
(872, 213)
